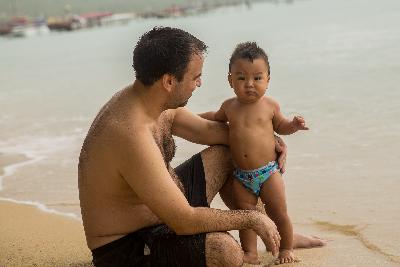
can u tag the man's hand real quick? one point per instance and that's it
(299, 123)
(281, 149)
(268, 232)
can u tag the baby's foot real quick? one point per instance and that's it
(286, 256)
(250, 257)
(304, 241)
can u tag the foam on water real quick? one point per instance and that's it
(35, 149)
(42, 207)
(9, 170)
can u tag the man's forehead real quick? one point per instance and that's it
(197, 57)
(195, 63)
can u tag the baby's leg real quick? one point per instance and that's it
(246, 200)
(273, 195)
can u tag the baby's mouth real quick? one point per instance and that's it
(251, 93)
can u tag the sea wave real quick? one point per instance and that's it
(41, 207)
(35, 149)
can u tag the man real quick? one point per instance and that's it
(136, 209)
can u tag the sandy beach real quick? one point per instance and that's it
(31, 237)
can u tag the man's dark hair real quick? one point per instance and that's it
(164, 50)
(250, 51)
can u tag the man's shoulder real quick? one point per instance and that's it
(168, 115)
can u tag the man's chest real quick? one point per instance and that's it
(163, 137)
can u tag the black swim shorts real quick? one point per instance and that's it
(159, 245)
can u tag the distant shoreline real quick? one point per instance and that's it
(35, 8)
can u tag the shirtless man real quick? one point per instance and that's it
(136, 209)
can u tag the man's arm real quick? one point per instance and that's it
(142, 166)
(281, 149)
(209, 115)
(199, 130)
(219, 115)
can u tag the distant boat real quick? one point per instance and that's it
(120, 18)
(24, 27)
(5, 29)
(29, 30)
(67, 23)
(95, 18)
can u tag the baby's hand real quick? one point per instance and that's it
(299, 123)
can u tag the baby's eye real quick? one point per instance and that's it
(257, 78)
(240, 78)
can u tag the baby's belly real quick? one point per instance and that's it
(250, 152)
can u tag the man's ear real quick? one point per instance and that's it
(230, 79)
(168, 81)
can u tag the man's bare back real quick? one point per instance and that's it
(104, 183)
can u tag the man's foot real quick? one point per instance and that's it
(250, 257)
(286, 256)
(303, 241)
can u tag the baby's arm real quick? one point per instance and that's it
(284, 126)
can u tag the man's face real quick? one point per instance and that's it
(191, 79)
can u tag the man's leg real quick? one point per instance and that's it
(218, 167)
(223, 250)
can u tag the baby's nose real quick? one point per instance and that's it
(249, 83)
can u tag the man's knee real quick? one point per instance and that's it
(217, 161)
(223, 250)
(217, 153)
(217, 165)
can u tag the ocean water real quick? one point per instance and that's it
(337, 63)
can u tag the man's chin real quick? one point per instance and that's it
(183, 104)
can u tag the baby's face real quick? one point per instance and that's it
(249, 79)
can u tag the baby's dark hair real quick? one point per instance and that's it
(250, 51)
(164, 50)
